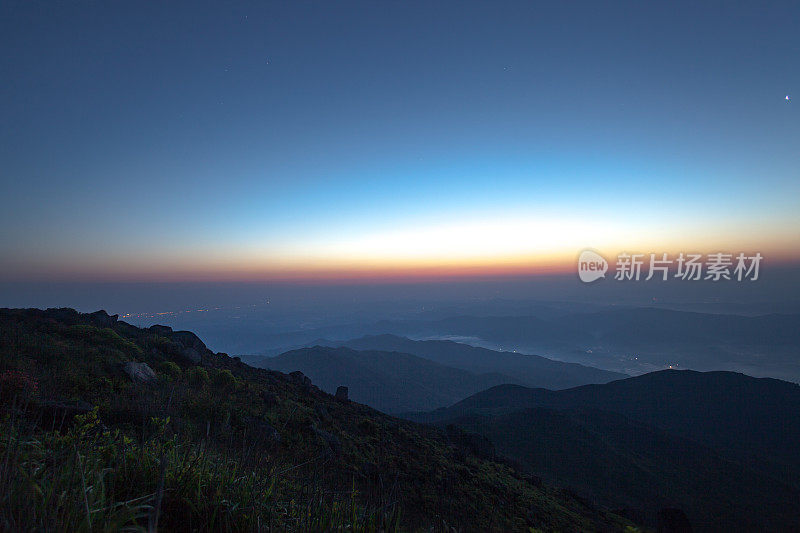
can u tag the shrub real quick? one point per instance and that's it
(170, 369)
(225, 380)
(198, 376)
(19, 384)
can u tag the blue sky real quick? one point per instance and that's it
(148, 140)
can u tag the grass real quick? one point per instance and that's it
(91, 478)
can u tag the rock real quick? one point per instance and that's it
(102, 319)
(164, 331)
(321, 410)
(140, 372)
(300, 378)
(189, 340)
(341, 393)
(190, 347)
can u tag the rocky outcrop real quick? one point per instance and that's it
(189, 340)
(187, 344)
(300, 378)
(139, 372)
(102, 319)
(193, 347)
(158, 329)
(341, 393)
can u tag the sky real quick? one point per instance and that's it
(151, 141)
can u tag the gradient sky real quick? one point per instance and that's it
(160, 141)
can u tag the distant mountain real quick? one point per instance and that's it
(530, 370)
(721, 446)
(389, 381)
(626, 340)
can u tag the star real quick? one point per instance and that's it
(788, 98)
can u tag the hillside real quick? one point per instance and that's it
(392, 382)
(627, 465)
(722, 409)
(529, 370)
(93, 439)
(719, 445)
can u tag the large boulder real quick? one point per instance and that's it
(300, 378)
(189, 340)
(139, 372)
(158, 329)
(102, 319)
(341, 393)
(185, 343)
(192, 347)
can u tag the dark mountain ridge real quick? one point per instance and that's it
(388, 381)
(722, 446)
(530, 370)
(716, 408)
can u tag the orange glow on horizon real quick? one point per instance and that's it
(367, 270)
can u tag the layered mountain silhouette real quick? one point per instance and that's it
(395, 374)
(530, 370)
(627, 340)
(392, 382)
(721, 446)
